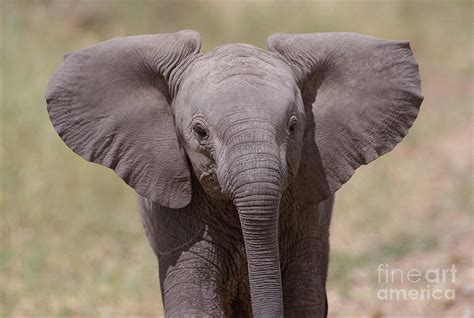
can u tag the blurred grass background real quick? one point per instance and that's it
(71, 239)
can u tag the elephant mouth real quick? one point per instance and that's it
(210, 183)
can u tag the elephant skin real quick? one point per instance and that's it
(236, 153)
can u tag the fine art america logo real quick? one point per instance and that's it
(415, 284)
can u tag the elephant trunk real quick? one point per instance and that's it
(256, 191)
(259, 220)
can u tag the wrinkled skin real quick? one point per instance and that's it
(247, 121)
(236, 153)
(202, 262)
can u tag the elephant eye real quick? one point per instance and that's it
(200, 132)
(292, 124)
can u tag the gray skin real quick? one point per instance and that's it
(236, 153)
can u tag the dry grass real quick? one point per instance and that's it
(71, 240)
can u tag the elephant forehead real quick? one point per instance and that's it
(238, 76)
(236, 79)
(234, 62)
(247, 94)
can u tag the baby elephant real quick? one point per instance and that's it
(236, 153)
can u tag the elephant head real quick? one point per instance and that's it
(247, 123)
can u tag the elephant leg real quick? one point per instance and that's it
(304, 290)
(189, 282)
(186, 259)
(304, 249)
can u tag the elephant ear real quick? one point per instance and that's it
(361, 95)
(110, 103)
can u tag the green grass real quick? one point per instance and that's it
(71, 239)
